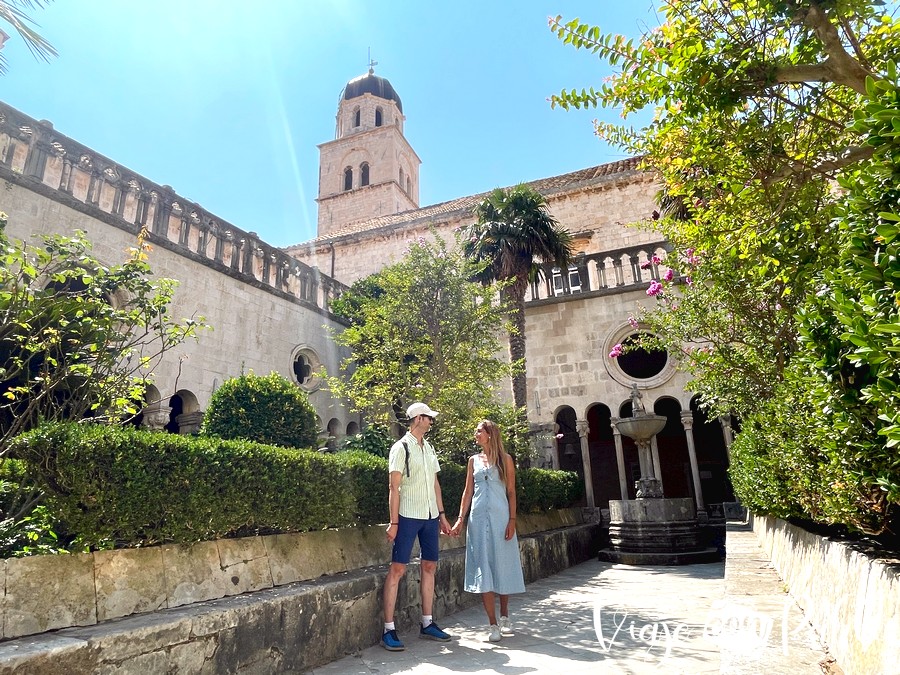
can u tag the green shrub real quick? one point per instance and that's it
(269, 410)
(122, 486)
(366, 477)
(374, 439)
(544, 489)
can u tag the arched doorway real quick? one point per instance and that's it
(712, 457)
(671, 444)
(568, 443)
(602, 446)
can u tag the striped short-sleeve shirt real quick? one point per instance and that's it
(417, 497)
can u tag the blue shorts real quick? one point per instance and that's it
(427, 530)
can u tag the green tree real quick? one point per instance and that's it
(422, 330)
(268, 409)
(13, 13)
(514, 232)
(758, 109)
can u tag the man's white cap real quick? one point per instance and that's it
(417, 409)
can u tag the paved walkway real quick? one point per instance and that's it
(605, 618)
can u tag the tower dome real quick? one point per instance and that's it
(370, 83)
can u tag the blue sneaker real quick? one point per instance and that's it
(432, 632)
(391, 642)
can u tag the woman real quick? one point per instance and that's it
(493, 566)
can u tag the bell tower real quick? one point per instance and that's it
(369, 169)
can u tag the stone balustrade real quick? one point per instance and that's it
(33, 151)
(615, 271)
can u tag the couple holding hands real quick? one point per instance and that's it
(493, 567)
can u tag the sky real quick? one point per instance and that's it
(226, 101)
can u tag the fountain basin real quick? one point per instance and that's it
(655, 532)
(641, 428)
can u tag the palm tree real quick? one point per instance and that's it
(13, 13)
(513, 233)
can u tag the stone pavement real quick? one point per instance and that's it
(605, 618)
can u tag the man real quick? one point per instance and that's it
(417, 511)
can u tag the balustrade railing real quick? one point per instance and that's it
(32, 148)
(621, 269)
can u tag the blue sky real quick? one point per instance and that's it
(226, 101)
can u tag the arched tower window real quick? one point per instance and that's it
(364, 173)
(401, 177)
(379, 117)
(408, 186)
(356, 118)
(348, 179)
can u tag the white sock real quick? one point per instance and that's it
(388, 625)
(426, 620)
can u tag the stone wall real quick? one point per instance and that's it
(296, 626)
(849, 595)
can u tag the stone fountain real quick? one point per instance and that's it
(652, 530)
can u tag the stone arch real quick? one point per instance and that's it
(602, 448)
(671, 444)
(712, 456)
(348, 178)
(334, 429)
(352, 429)
(568, 443)
(357, 117)
(379, 116)
(184, 413)
(363, 174)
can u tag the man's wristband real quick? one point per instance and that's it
(395, 523)
(440, 513)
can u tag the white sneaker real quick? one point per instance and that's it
(494, 635)
(505, 626)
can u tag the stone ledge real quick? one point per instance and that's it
(293, 627)
(43, 593)
(852, 600)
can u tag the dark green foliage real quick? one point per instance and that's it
(366, 476)
(374, 439)
(112, 487)
(130, 487)
(266, 409)
(544, 489)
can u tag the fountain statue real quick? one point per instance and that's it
(652, 529)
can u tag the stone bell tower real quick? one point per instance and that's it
(369, 169)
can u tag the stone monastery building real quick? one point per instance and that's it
(269, 307)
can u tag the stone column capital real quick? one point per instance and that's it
(582, 427)
(687, 419)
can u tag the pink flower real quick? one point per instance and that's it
(633, 322)
(655, 287)
(616, 351)
(688, 281)
(656, 260)
(669, 275)
(646, 265)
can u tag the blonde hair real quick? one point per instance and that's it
(494, 450)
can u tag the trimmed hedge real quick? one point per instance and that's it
(124, 487)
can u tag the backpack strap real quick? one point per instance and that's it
(406, 447)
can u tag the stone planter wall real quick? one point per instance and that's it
(852, 599)
(49, 592)
(294, 627)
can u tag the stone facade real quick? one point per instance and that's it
(269, 307)
(263, 308)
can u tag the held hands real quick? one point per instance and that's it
(444, 524)
(457, 527)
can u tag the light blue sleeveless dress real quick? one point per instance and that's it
(492, 562)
